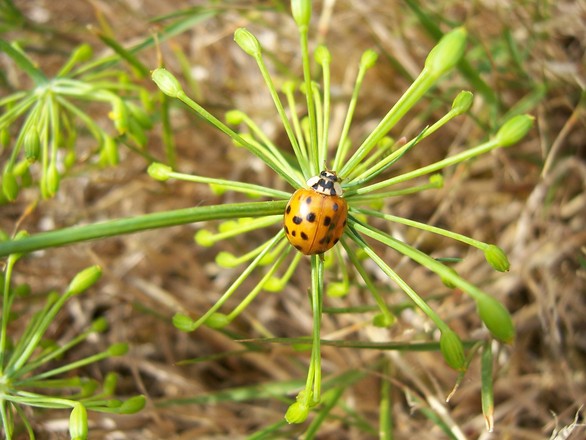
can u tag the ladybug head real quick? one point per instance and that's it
(327, 183)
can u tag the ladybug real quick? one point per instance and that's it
(315, 217)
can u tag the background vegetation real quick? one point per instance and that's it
(529, 199)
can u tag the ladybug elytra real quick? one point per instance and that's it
(315, 217)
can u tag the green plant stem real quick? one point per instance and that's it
(313, 148)
(156, 220)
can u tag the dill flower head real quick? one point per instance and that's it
(335, 192)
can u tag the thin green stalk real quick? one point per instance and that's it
(237, 138)
(156, 220)
(386, 401)
(417, 89)
(448, 161)
(168, 138)
(313, 140)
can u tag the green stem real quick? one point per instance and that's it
(156, 220)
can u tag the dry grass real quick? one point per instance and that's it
(529, 199)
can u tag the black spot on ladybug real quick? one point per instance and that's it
(297, 247)
(297, 220)
(327, 220)
(304, 236)
(286, 230)
(335, 207)
(294, 233)
(288, 209)
(308, 200)
(310, 217)
(336, 240)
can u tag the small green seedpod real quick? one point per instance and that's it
(10, 186)
(217, 320)
(53, 179)
(159, 171)
(496, 318)
(84, 280)
(78, 428)
(247, 42)
(514, 130)
(453, 350)
(448, 51)
(32, 144)
(497, 258)
(368, 59)
(166, 82)
(297, 413)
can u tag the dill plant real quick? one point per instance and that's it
(365, 180)
(366, 170)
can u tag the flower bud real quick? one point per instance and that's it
(453, 350)
(234, 117)
(301, 11)
(368, 59)
(496, 318)
(166, 82)
(217, 321)
(183, 322)
(100, 325)
(337, 290)
(322, 55)
(462, 102)
(204, 238)
(247, 42)
(78, 422)
(118, 349)
(159, 171)
(383, 320)
(447, 52)
(497, 258)
(132, 405)
(297, 413)
(9, 185)
(437, 180)
(514, 130)
(110, 151)
(32, 144)
(110, 383)
(53, 180)
(84, 279)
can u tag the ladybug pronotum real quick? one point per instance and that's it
(315, 217)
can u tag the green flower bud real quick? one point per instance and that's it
(297, 413)
(453, 350)
(88, 387)
(234, 117)
(53, 179)
(462, 102)
(337, 290)
(69, 159)
(497, 258)
(159, 171)
(82, 53)
(110, 151)
(383, 320)
(496, 318)
(217, 320)
(166, 82)
(437, 180)
(132, 405)
(514, 130)
(32, 144)
(119, 115)
(247, 42)
(204, 238)
(368, 59)
(447, 52)
(226, 260)
(301, 11)
(78, 422)
(273, 284)
(9, 185)
(216, 189)
(4, 137)
(110, 383)
(183, 322)
(289, 87)
(322, 55)
(118, 349)
(84, 280)
(100, 325)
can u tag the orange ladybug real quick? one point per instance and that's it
(315, 217)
